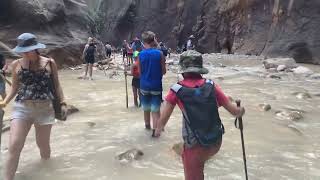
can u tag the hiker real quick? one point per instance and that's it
(137, 45)
(3, 69)
(108, 49)
(164, 49)
(198, 99)
(88, 54)
(130, 54)
(135, 79)
(190, 45)
(31, 76)
(124, 51)
(151, 67)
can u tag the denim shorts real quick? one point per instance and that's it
(2, 87)
(38, 112)
(151, 101)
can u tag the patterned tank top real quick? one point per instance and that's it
(34, 85)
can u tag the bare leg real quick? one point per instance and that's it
(135, 96)
(147, 119)
(43, 140)
(90, 71)
(86, 71)
(19, 130)
(155, 119)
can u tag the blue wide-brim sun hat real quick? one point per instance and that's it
(27, 42)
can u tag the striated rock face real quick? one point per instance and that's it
(268, 27)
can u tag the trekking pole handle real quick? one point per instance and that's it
(238, 102)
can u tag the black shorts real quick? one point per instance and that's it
(136, 82)
(90, 60)
(124, 53)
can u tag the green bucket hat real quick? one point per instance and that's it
(191, 62)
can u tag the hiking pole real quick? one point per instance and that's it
(242, 140)
(125, 79)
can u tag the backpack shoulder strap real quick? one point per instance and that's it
(176, 87)
(208, 81)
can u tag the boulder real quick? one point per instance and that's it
(289, 115)
(315, 76)
(302, 70)
(265, 107)
(281, 67)
(273, 76)
(275, 62)
(130, 155)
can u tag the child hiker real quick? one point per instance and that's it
(135, 79)
(199, 100)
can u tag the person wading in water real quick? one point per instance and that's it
(88, 54)
(31, 77)
(151, 67)
(198, 99)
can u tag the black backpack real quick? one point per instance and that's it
(90, 51)
(201, 112)
(164, 50)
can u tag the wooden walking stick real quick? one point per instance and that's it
(242, 140)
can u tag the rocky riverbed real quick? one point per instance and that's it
(282, 141)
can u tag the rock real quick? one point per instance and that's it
(178, 148)
(295, 129)
(281, 67)
(130, 155)
(265, 107)
(71, 109)
(272, 76)
(105, 61)
(315, 76)
(302, 70)
(275, 62)
(91, 124)
(289, 115)
(302, 95)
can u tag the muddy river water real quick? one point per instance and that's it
(85, 146)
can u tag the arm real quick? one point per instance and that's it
(163, 64)
(54, 71)
(14, 87)
(84, 51)
(164, 118)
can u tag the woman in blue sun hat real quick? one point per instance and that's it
(31, 77)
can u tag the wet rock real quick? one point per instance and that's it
(281, 67)
(289, 115)
(315, 76)
(295, 129)
(178, 148)
(105, 61)
(72, 109)
(220, 78)
(275, 62)
(265, 107)
(272, 76)
(302, 95)
(91, 124)
(130, 155)
(302, 70)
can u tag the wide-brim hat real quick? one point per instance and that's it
(27, 42)
(191, 62)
